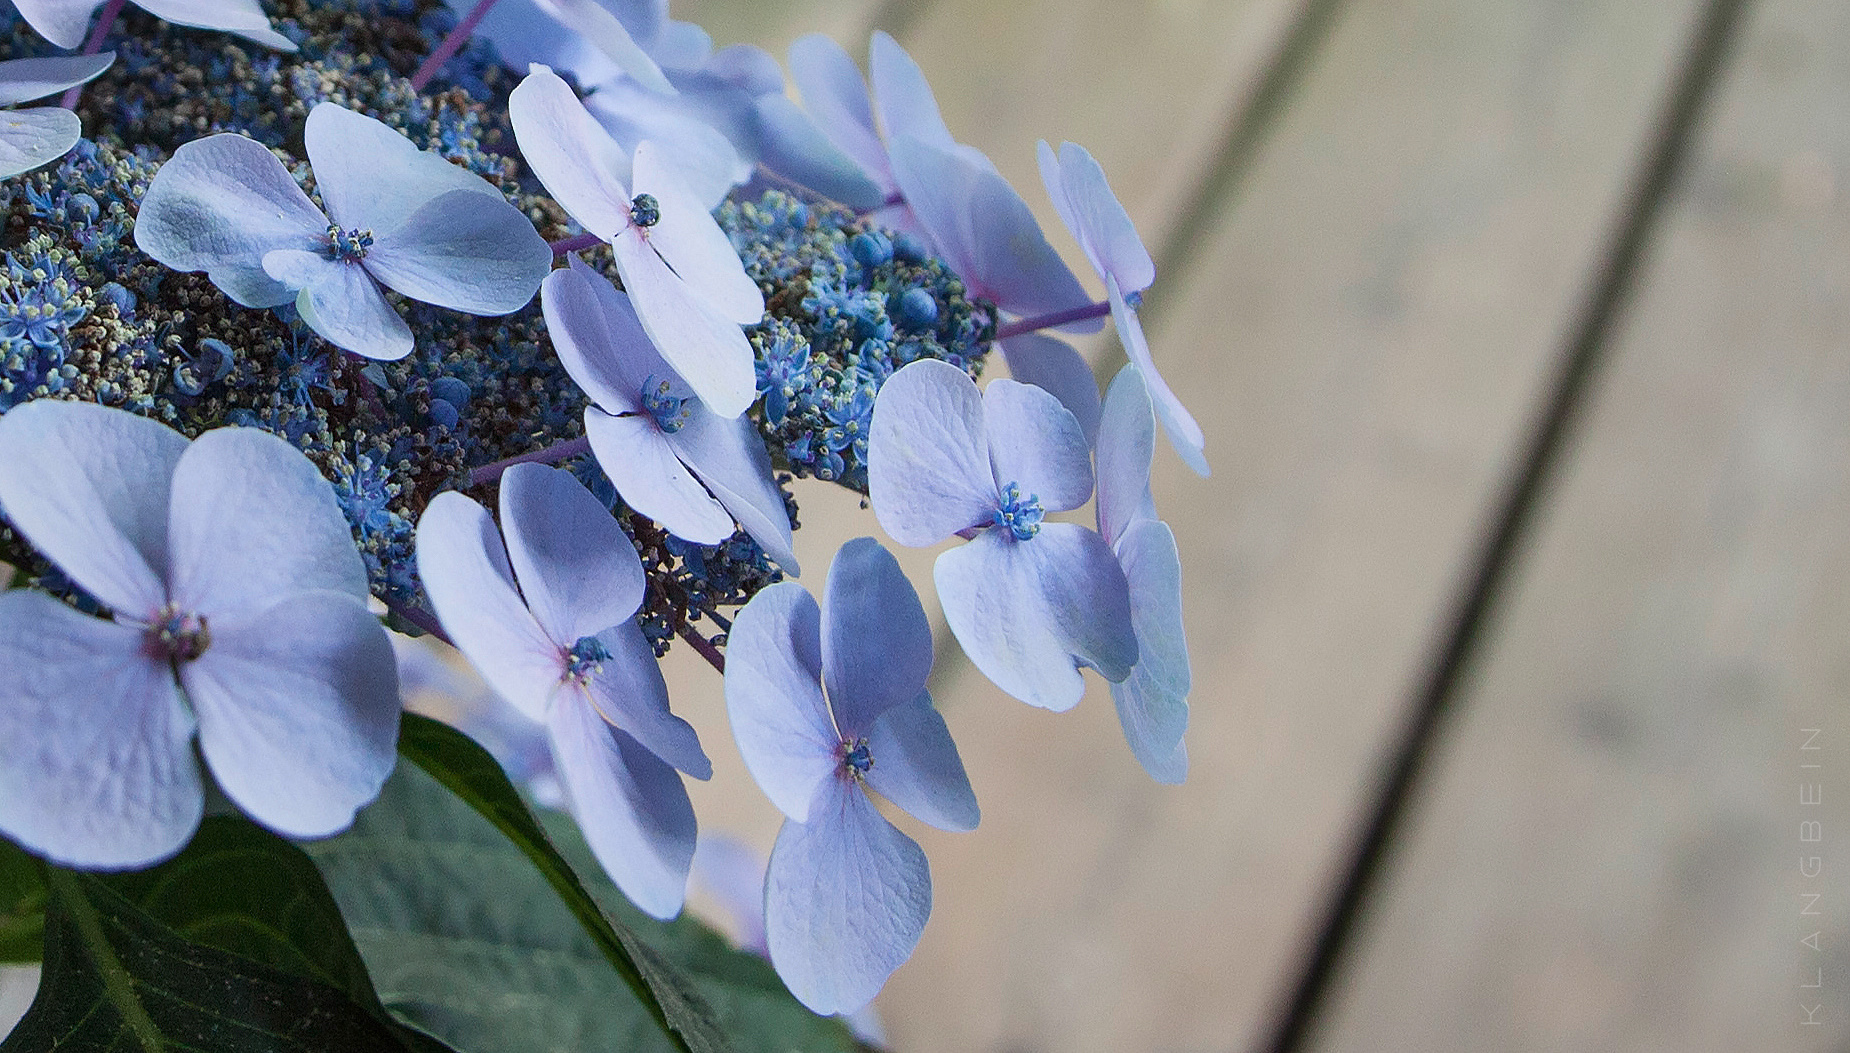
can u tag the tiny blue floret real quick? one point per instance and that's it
(585, 658)
(1021, 515)
(670, 412)
(348, 246)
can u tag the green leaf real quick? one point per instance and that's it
(22, 906)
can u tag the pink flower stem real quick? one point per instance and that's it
(553, 454)
(575, 243)
(92, 46)
(705, 648)
(451, 44)
(1051, 319)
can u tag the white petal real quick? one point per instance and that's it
(774, 696)
(928, 472)
(578, 571)
(63, 22)
(370, 176)
(1153, 702)
(343, 303)
(30, 138)
(242, 17)
(1184, 434)
(729, 458)
(709, 161)
(1036, 442)
(692, 243)
(1126, 446)
(640, 463)
(601, 29)
(707, 349)
(628, 690)
(577, 161)
(22, 80)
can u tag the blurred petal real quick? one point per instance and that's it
(243, 17)
(795, 148)
(88, 486)
(916, 766)
(729, 458)
(732, 872)
(63, 22)
(577, 161)
(96, 756)
(628, 690)
(465, 573)
(708, 350)
(907, 106)
(1092, 212)
(373, 178)
(709, 162)
(1153, 702)
(692, 243)
(1052, 364)
(846, 898)
(218, 205)
(576, 568)
(774, 696)
(1036, 442)
(298, 711)
(466, 251)
(602, 30)
(631, 806)
(928, 472)
(253, 521)
(876, 641)
(30, 138)
(1029, 613)
(640, 463)
(1126, 446)
(22, 80)
(836, 95)
(1184, 434)
(342, 302)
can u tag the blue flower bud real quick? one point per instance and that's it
(871, 248)
(916, 310)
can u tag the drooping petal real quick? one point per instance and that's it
(846, 897)
(30, 138)
(688, 238)
(628, 690)
(1036, 442)
(63, 22)
(774, 696)
(343, 303)
(22, 80)
(373, 178)
(298, 711)
(631, 806)
(573, 563)
(252, 521)
(88, 486)
(876, 640)
(836, 95)
(602, 30)
(1092, 212)
(1029, 613)
(219, 205)
(794, 147)
(640, 463)
(729, 458)
(242, 17)
(1126, 446)
(907, 106)
(1153, 702)
(1050, 363)
(707, 349)
(591, 332)
(916, 766)
(928, 472)
(96, 756)
(466, 251)
(709, 162)
(577, 161)
(465, 572)
(1184, 434)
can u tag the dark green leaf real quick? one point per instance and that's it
(22, 905)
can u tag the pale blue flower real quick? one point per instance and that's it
(548, 618)
(1030, 600)
(240, 615)
(63, 22)
(826, 704)
(399, 216)
(41, 135)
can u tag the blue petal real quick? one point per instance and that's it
(62, 22)
(907, 106)
(1126, 446)
(836, 95)
(572, 155)
(371, 177)
(629, 692)
(30, 138)
(1036, 443)
(774, 696)
(1051, 363)
(690, 241)
(846, 898)
(603, 31)
(1153, 702)
(710, 162)
(466, 251)
(709, 350)
(590, 339)
(876, 641)
(1184, 434)
(1097, 220)
(648, 472)
(342, 302)
(242, 17)
(22, 80)
(576, 568)
(730, 459)
(793, 147)
(916, 766)
(524, 33)
(928, 472)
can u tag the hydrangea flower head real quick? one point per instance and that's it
(63, 22)
(548, 618)
(239, 616)
(41, 135)
(828, 703)
(685, 281)
(396, 216)
(1030, 600)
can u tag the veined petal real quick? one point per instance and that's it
(846, 897)
(836, 95)
(96, 757)
(30, 138)
(242, 17)
(644, 468)
(22, 80)
(1092, 212)
(342, 302)
(1029, 613)
(729, 458)
(466, 251)
(251, 521)
(628, 690)
(1184, 434)
(591, 338)
(298, 711)
(577, 161)
(1036, 442)
(707, 349)
(88, 486)
(692, 243)
(916, 766)
(371, 177)
(1126, 446)
(907, 106)
(631, 806)
(928, 472)
(218, 205)
(794, 147)
(575, 566)
(774, 696)
(465, 572)
(876, 641)
(1050, 363)
(63, 22)
(1153, 702)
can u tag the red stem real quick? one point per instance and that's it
(1053, 318)
(706, 649)
(451, 44)
(553, 454)
(92, 46)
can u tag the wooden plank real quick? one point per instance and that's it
(1612, 858)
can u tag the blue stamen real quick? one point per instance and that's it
(856, 758)
(585, 659)
(645, 211)
(670, 412)
(1021, 515)
(349, 246)
(177, 636)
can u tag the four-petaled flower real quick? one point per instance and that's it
(549, 620)
(63, 21)
(1029, 600)
(41, 135)
(239, 606)
(827, 704)
(399, 216)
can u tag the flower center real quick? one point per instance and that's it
(645, 211)
(349, 246)
(1021, 515)
(177, 636)
(856, 759)
(585, 659)
(670, 412)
